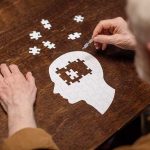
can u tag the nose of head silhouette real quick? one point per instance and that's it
(79, 76)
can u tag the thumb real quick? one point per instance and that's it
(105, 39)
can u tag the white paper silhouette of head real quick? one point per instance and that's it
(78, 76)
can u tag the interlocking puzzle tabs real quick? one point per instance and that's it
(74, 71)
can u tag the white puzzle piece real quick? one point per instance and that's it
(74, 36)
(72, 74)
(46, 24)
(79, 76)
(35, 35)
(34, 50)
(78, 18)
(49, 45)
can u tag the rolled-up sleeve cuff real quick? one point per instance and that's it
(29, 139)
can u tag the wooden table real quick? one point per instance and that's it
(77, 126)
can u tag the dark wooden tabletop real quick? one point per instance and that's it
(78, 126)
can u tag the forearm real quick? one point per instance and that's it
(20, 118)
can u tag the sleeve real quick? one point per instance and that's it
(141, 144)
(29, 139)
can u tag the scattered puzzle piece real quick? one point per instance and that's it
(78, 18)
(74, 36)
(34, 50)
(35, 35)
(46, 24)
(49, 45)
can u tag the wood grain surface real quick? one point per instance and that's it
(77, 126)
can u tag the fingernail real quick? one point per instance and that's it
(104, 47)
(94, 39)
(30, 73)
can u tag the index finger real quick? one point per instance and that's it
(97, 30)
(104, 24)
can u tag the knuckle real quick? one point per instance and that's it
(35, 88)
(100, 22)
(3, 92)
(32, 77)
(17, 76)
(2, 96)
(3, 86)
(12, 66)
(120, 18)
(3, 64)
(33, 80)
(9, 80)
(32, 85)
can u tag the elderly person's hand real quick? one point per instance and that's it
(115, 32)
(17, 96)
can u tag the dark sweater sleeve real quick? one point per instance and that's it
(142, 144)
(29, 139)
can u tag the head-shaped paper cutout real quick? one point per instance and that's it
(79, 76)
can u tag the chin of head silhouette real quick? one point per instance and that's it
(78, 76)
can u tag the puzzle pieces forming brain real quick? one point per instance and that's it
(74, 71)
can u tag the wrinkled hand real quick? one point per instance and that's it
(115, 32)
(17, 96)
